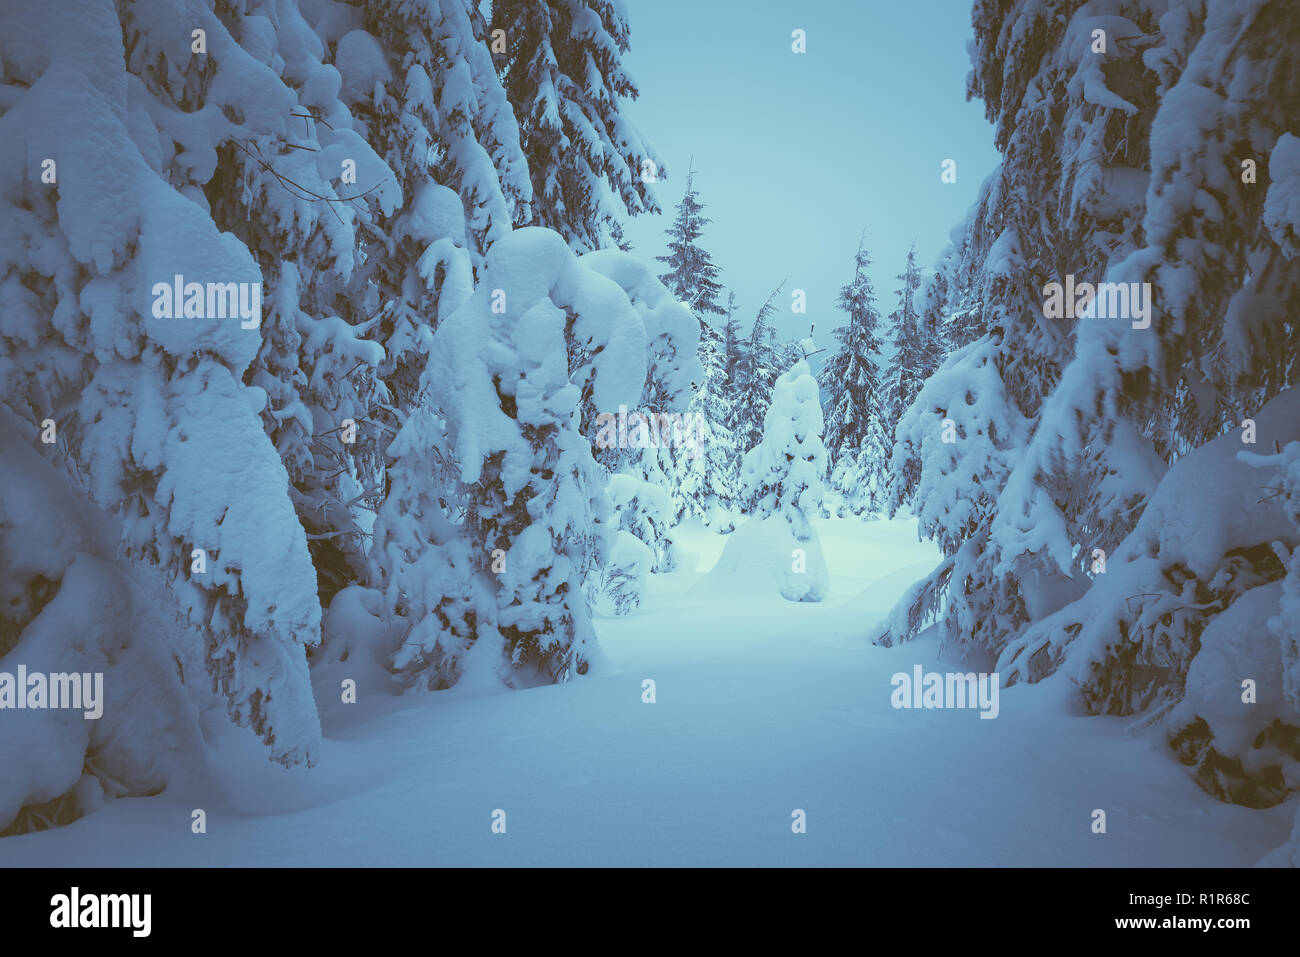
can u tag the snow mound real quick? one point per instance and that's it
(67, 611)
(763, 556)
(1237, 734)
(1282, 205)
(623, 580)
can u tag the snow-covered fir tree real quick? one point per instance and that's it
(855, 423)
(732, 338)
(731, 347)
(955, 445)
(158, 437)
(655, 429)
(621, 585)
(790, 351)
(318, 330)
(535, 504)
(1050, 538)
(643, 507)
(652, 512)
(511, 381)
(705, 468)
(421, 81)
(563, 73)
(282, 194)
(784, 474)
(1152, 411)
(691, 275)
(912, 347)
(707, 463)
(753, 377)
(434, 595)
(783, 477)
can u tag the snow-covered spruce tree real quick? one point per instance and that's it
(1216, 358)
(649, 457)
(544, 334)
(932, 315)
(707, 462)
(705, 467)
(855, 424)
(621, 586)
(421, 82)
(285, 194)
(753, 377)
(783, 477)
(1107, 532)
(790, 351)
(561, 64)
(691, 274)
(948, 302)
(67, 607)
(731, 345)
(1216, 346)
(417, 558)
(951, 311)
(655, 429)
(948, 317)
(1084, 116)
(912, 348)
(651, 513)
(424, 91)
(153, 421)
(643, 507)
(932, 312)
(421, 561)
(1190, 603)
(785, 473)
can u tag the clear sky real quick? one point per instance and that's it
(795, 154)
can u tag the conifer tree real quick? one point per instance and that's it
(855, 422)
(563, 73)
(783, 475)
(754, 376)
(708, 461)
(162, 415)
(704, 469)
(732, 339)
(911, 356)
(691, 274)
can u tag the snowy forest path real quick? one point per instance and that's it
(762, 707)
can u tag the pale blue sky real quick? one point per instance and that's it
(795, 153)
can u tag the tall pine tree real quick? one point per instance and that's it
(707, 466)
(562, 72)
(755, 373)
(706, 469)
(855, 423)
(910, 361)
(692, 275)
(731, 339)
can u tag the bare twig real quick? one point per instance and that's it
(302, 191)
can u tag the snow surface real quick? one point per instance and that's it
(763, 706)
(765, 552)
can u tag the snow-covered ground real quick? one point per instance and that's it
(763, 706)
